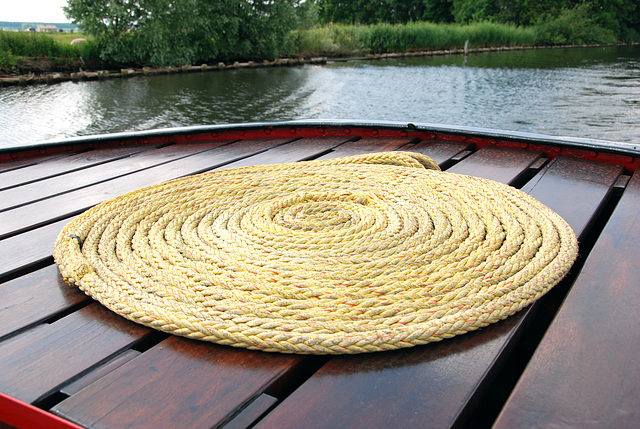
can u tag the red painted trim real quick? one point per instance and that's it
(630, 163)
(20, 415)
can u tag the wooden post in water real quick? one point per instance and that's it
(466, 51)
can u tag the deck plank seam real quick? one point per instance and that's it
(84, 167)
(98, 182)
(52, 158)
(552, 303)
(50, 319)
(76, 212)
(25, 269)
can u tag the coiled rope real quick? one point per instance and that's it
(359, 254)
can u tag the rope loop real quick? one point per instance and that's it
(351, 255)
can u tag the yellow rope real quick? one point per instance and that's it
(359, 254)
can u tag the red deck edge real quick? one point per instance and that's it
(21, 415)
(630, 163)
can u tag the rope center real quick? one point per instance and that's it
(319, 212)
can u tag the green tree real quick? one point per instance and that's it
(574, 25)
(307, 14)
(269, 23)
(438, 11)
(351, 11)
(100, 18)
(111, 22)
(389, 11)
(620, 16)
(377, 11)
(178, 32)
(518, 12)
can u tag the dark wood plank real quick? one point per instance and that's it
(57, 207)
(178, 383)
(367, 145)
(498, 163)
(98, 373)
(438, 383)
(35, 297)
(11, 165)
(584, 373)
(300, 150)
(252, 412)
(411, 388)
(29, 249)
(38, 361)
(101, 172)
(66, 164)
(443, 153)
(595, 177)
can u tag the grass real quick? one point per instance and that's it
(28, 44)
(17, 47)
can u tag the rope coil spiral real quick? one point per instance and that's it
(351, 255)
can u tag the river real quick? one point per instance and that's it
(579, 92)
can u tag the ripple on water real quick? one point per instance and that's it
(592, 93)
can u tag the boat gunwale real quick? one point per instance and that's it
(619, 148)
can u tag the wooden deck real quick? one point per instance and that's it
(570, 360)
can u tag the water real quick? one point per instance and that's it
(586, 92)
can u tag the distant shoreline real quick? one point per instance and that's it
(23, 25)
(52, 77)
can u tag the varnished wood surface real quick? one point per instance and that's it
(63, 352)
(367, 145)
(112, 166)
(29, 249)
(67, 164)
(156, 388)
(49, 354)
(34, 298)
(444, 153)
(441, 381)
(499, 164)
(34, 161)
(585, 372)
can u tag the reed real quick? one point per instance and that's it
(337, 40)
(333, 40)
(487, 34)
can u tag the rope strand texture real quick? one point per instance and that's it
(352, 255)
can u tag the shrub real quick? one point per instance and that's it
(572, 26)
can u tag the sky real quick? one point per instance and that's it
(33, 11)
